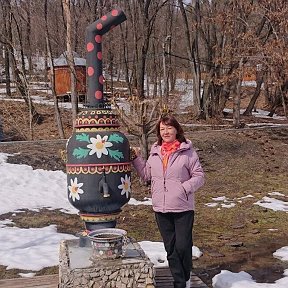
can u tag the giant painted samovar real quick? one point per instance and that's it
(98, 164)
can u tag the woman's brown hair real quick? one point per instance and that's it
(170, 121)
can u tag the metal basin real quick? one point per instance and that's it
(107, 243)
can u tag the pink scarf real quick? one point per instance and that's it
(167, 148)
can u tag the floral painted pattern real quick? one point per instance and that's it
(125, 185)
(75, 190)
(99, 146)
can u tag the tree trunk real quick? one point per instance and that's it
(21, 49)
(237, 99)
(148, 15)
(144, 145)
(70, 60)
(141, 74)
(57, 115)
(19, 77)
(192, 53)
(52, 76)
(166, 44)
(125, 57)
(6, 11)
(7, 72)
(30, 65)
(284, 104)
(284, 90)
(251, 105)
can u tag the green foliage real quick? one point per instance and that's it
(83, 137)
(115, 138)
(80, 152)
(116, 154)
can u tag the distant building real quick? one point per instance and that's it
(249, 73)
(62, 75)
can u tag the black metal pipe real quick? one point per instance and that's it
(94, 33)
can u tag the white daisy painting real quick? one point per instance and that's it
(75, 190)
(125, 185)
(99, 145)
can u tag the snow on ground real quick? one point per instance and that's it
(259, 114)
(181, 85)
(36, 189)
(33, 190)
(30, 249)
(266, 202)
(21, 248)
(272, 203)
(228, 279)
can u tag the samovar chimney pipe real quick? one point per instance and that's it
(98, 154)
(94, 33)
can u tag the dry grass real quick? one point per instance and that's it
(16, 127)
(236, 163)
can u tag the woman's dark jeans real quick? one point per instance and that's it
(176, 231)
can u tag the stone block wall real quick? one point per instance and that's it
(118, 273)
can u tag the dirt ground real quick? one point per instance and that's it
(237, 163)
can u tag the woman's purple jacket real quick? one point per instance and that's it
(172, 190)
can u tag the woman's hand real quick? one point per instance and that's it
(134, 152)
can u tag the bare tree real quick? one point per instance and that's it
(192, 46)
(5, 10)
(275, 53)
(52, 75)
(256, 94)
(141, 120)
(236, 97)
(19, 75)
(70, 59)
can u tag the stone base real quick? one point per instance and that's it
(77, 269)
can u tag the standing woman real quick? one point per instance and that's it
(176, 174)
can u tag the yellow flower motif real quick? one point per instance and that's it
(98, 145)
(75, 190)
(125, 186)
